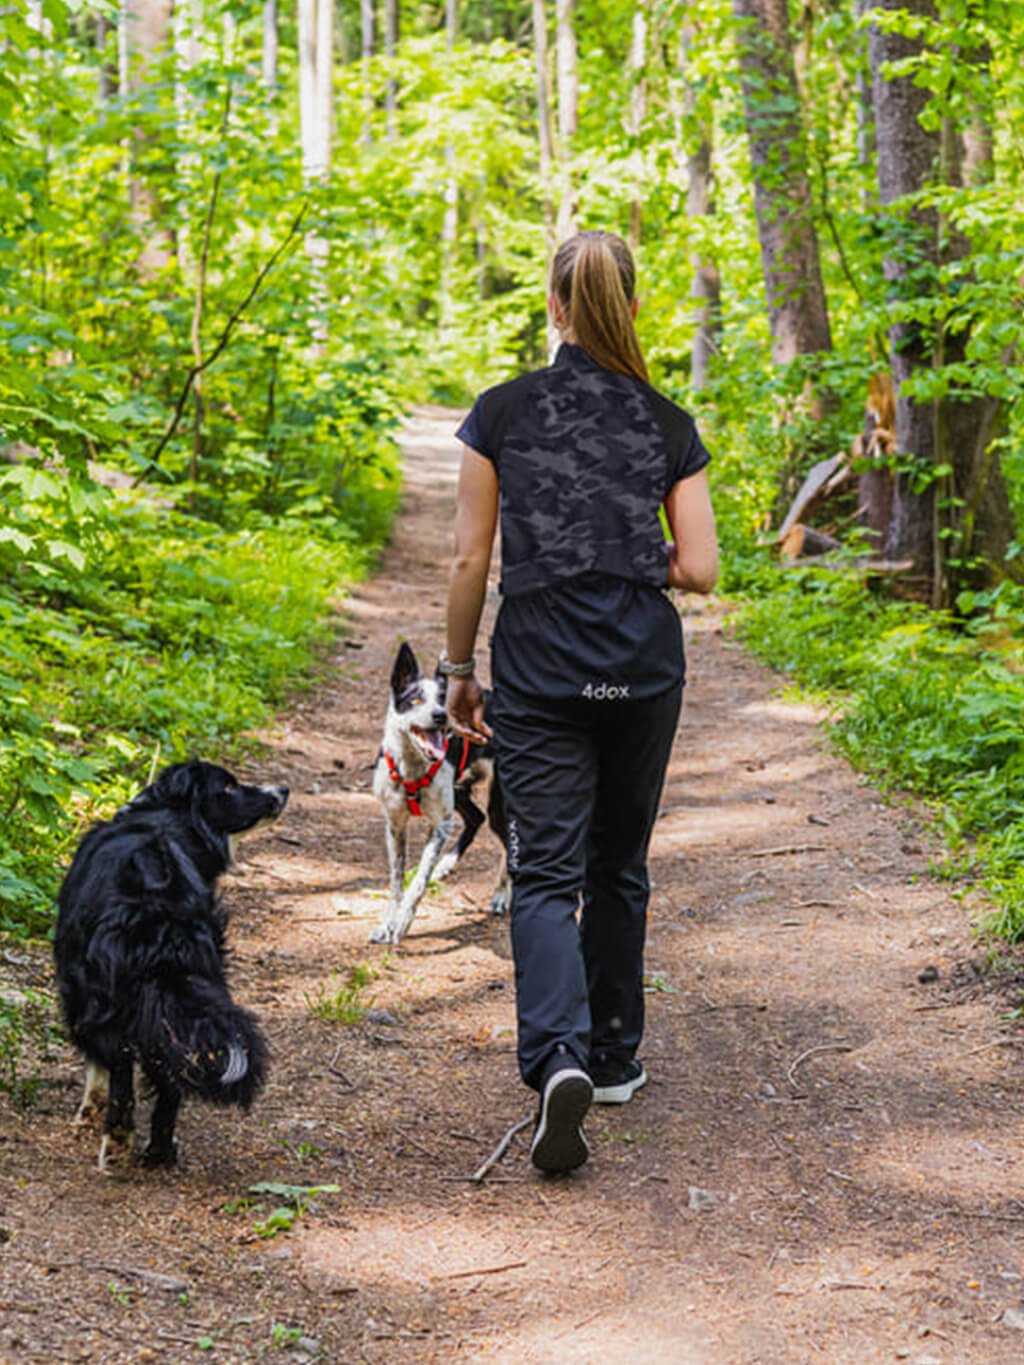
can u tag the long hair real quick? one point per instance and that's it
(594, 279)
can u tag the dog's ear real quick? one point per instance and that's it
(406, 670)
(150, 867)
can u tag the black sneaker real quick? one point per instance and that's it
(558, 1141)
(617, 1082)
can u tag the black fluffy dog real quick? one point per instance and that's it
(140, 954)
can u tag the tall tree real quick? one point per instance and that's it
(694, 136)
(270, 45)
(568, 113)
(797, 311)
(949, 485)
(316, 94)
(144, 30)
(368, 31)
(392, 30)
(450, 223)
(540, 58)
(637, 112)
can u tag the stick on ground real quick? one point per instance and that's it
(499, 1151)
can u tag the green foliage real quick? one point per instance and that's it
(349, 1003)
(283, 1217)
(926, 703)
(176, 636)
(171, 552)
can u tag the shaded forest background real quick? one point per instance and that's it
(238, 240)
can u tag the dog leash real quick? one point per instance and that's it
(414, 787)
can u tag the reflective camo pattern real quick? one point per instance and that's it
(583, 465)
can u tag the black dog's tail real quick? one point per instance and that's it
(194, 1033)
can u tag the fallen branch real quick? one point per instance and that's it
(484, 1270)
(170, 1284)
(711, 1008)
(336, 1070)
(996, 1042)
(786, 848)
(499, 1151)
(811, 1051)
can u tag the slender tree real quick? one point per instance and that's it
(368, 31)
(316, 84)
(637, 112)
(694, 135)
(540, 58)
(568, 113)
(392, 31)
(797, 311)
(450, 223)
(949, 493)
(144, 32)
(270, 45)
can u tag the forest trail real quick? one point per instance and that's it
(821, 1167)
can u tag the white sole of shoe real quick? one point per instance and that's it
(619, 1094)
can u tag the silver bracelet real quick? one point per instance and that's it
(452, 670)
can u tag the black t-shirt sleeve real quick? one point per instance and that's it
(473, 430)
(691, 457)
(686, 452)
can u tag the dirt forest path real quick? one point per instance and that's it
(823, 1166)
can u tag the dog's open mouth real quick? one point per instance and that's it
(431, 743)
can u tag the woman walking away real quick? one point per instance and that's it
(587, 670)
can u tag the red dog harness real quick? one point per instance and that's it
(413, 787)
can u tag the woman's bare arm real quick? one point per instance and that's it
(693, 553)
(476, 518)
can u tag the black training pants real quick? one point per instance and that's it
(581, 781)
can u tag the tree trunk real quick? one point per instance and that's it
(694, 133)
(865, 111)
(450, 224)
(368, 28)
(186, 50)
(797, 311)
(568, 118)
(392, 22)
(540, 56)
(144, 32)
(907, 156)
(107, 75)
(956, 529)
(316, 73)
(324, 89)
(637, 112)
(270, 45)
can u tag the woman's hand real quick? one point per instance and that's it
(465, 702)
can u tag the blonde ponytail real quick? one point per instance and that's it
(594, 279)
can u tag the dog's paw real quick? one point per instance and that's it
(90, 1111)
(499, 903)
(161, 1155)
(384, 933)
(115, 1151)
(445, 867)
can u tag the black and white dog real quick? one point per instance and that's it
(139, 951)
(423, 770)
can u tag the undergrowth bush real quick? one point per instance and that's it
(925, 702)
(163, 634)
